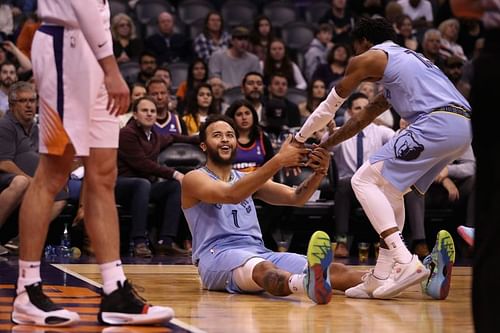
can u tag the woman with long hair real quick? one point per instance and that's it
(278, 61)
(197, 74)
(405, 36)
(261, 36)
(450, 29)
(316, 93)
(199, 105)
(254, 147)
(126, 45)
(337, 59)
(213, 37)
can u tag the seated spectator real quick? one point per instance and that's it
(431, 46)
(126, 46)
(420, 12)
(8, 76)
(198, 107)
(254, 147)
(252, 87)
(453, 69)
(142, 180)
(370, 89)
(168, 45)
(213, 38)
(283, 110)
(232, 64)
(404, 29)
(341, 19)
(318, 49)
(316, 93)
(449, 34)
(218, 90)
(137, 91)
(19, 154)
(147, 66)
(261, 36)
(167, 121)
(197, 73)
(334, 69)
(277, 60)
(164, 73)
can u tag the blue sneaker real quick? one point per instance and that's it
(440, 263)
(317, 277)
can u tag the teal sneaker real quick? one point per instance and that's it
(317, 276)
(440, 263)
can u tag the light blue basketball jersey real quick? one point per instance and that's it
(414, 85)
(223, 225)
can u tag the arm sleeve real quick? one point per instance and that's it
(95, 30)
(300, 82)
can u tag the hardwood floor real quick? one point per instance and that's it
(178, 286)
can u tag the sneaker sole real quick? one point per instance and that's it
(466, 237)
(23, 319)
(402, 285)
(438, 285)
(319, 258)
(117, 318)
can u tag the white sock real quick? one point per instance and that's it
(29, 273)
(398, 248)
(112, 272)
(385, 262)
(296, 283)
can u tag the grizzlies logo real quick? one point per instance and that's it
(407, 148)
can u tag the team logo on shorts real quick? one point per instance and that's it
(407, 148)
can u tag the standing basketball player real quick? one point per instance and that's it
(81, 94)
(439, 132)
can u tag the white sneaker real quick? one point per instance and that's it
(33, 307)
(402, 276)
(365, 289)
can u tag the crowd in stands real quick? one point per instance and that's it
(180, 72)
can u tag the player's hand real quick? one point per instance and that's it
(292, 156)
(319, 160)
(118, 94)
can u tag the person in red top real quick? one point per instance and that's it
(141, 179)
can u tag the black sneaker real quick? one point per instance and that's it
(33, 307)
(125, 307)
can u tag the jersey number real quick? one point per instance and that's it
(235, 218)
(420, 57)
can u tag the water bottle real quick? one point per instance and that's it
(65, 247)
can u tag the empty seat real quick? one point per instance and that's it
(129, 71)
(238, 12)
(179, 72)
(183, 157)
(280, 13)
(191, 10)
(296, 95)
(233, 94)
(118, 6)
(316, 10)
(298, 35)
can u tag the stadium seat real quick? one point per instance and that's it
(148, 10)
(316, 10)
(280, 13)
(238, 12)
(118, 6)
(298, 35)
(179, 72)
(233, 94)
(184, 157)
(129, 71)
(296, 95)
(191, 10)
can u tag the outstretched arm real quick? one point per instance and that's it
(358, 121)
(368, 66)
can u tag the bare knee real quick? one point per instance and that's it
(271, 279)
(19, 185)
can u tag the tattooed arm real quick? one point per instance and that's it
(358, 121)
(284, 195)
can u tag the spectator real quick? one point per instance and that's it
(232, 64)
(218, 91)
(261, 36)
(277, 60)
(419, 11)
(213, 38)
(19, 154)
(12, 54)
(431, 45)
(163, 73)
(318, 49)
(404, 36)
(370, 89)
(199, 106)
(252, 88)
(449, 34)
(316, 93)
(141, 179)
(280, 111)
(8, 76)
(147, 67)
(166, 44)
(453, 68)
(126, 46)
(341, 20)
(333, 70)
(197, 74)
(137, 91)
(167, 121)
